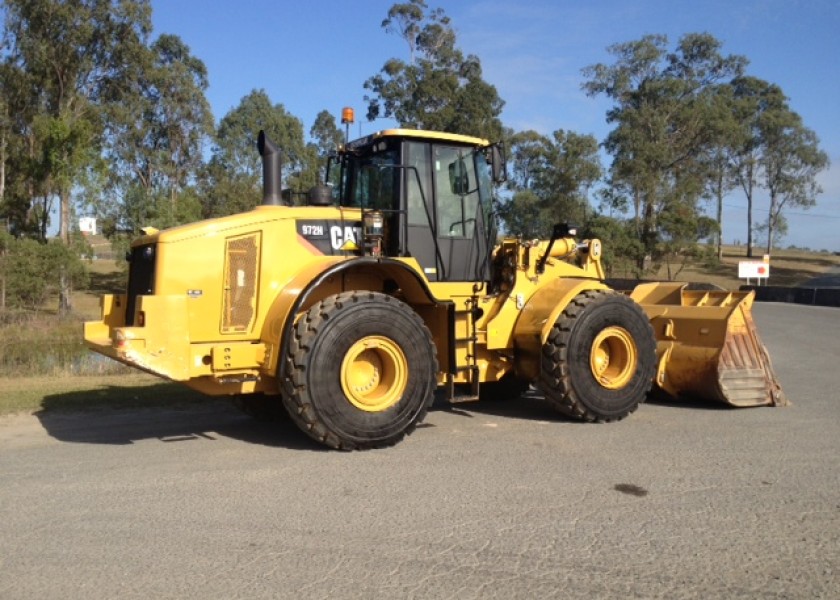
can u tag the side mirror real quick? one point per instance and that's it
(498, 162)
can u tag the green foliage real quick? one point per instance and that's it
(93, 111)
(63, 59)
(524, 216)
(31, 269)
(775, 151)
(438, 88)
(156, 133)
(550, 178)
(327, 138)
(233, 177)
(665, 117)
(623, 251)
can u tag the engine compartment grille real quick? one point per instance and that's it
(240, 284)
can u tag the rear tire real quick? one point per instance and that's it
(361, 371)
(600, 358)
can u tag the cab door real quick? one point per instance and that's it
(448, 197)
(460, 216)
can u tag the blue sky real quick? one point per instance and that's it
(315, 55)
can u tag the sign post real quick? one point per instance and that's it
(754, 269)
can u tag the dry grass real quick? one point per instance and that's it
(105, 278)
(787, 268)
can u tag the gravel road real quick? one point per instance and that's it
(501, 501)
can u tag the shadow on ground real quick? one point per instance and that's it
(532, 406)
(171, 413)
(167, 412)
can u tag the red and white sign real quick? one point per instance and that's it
(753, 269)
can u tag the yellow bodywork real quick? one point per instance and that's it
(223, 333)
(196, 330)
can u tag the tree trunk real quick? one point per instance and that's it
(748, 189)
(65, 304)
(648, 234)
(719, 194)
(44, 220)
(2, 165)
(2, 284)
(749, 226)
(771, 223)
(2, 196)
(64, 217)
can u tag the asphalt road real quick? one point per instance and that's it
(829, 279)
(505, 501)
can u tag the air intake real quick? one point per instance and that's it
(271, 170)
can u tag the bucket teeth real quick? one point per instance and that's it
(745, 375)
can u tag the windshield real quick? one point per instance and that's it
(367, 179)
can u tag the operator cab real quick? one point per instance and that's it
(433, 193)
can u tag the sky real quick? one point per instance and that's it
(314, 55)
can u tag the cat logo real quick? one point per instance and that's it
(330, 237)
(345, 238)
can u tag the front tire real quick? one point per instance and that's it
(600, 358)
(361, 371)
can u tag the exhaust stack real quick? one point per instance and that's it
(271, 170)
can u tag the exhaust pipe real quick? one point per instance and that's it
(271, 170)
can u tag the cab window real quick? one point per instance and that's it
(371, 181)
(456, 188)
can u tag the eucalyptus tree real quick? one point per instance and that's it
(20, 208)
(527, 154)
(521, 211)
(327, 137)
(716, 159)
(438, 87)
(69, 53)
(233, 174)
(663, 107)
(790, 163)
(551, 177)
(572, 167)
(753, 98)
(775, 152)
(158, 124)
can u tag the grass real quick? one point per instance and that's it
(787, 268)
(87, 392)
(105, 278)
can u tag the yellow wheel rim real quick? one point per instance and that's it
(374, 373)
(613, 358)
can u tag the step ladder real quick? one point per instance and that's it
(464, 352)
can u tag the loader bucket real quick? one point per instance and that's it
(707, 345)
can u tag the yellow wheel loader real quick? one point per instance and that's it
(349, 313)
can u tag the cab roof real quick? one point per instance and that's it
(418, 134)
